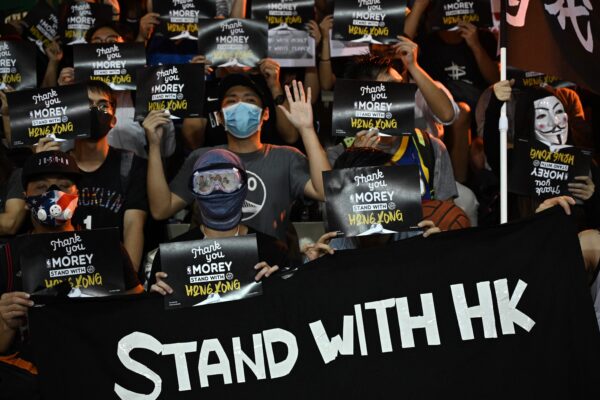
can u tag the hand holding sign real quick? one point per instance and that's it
(406, 50)
(300, 114)
(584, 190)
(312, 251)
(161, 286)
(314, 31)
(66, 76)
(200, 59)
(265, 270)
(147, 24)
(428, 227)
(269, 69)
(13, 308)
(564, 201)
(153, 125)
(469, 32)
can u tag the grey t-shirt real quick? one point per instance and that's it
(277, 176)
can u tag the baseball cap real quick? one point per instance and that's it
(49, 163)
(239, 80)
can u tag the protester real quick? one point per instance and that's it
(219, 185)
(112, 191)
(279, 174)
(48, 177)
(540, 116)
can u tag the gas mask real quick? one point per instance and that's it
(53, 208)
(550, 121)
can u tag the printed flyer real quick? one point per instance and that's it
(115, 64)
(363, 105)
(80, 17)
(179, 18)
(210, 271)
(90, 261)
(446, 14)
(62, 111)
(373, 200)
(17, 65)
(233, 42)
(369, 21)
(290, 43)
(178, 88)
(41, 24)
(539, 172)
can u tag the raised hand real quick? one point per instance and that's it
(300, 114)
(153, 125)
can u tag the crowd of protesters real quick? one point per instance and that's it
(274, 124)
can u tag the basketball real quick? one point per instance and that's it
(445, 214)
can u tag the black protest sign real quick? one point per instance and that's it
(179, 18)
(293, 13)
(371, 21)
(90, 261)
(62, 111)
(527, 79)
(80, 16)
(360, 105)
(290, 44)
(178, 88)
(540, 172)
(211, 270)
(446, 14)
(233, 42)
(41, 24)
(17, 65)
(422, 317)
(373, 200)
(292, 48)
(115, 64)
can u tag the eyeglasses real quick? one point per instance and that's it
(226, 180)
(103, 107)
(107, 39)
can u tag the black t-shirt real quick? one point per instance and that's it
(119, 184)
(270, 250)
(454, 62)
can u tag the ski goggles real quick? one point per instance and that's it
(227, 180)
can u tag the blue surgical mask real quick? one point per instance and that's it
(242, 120)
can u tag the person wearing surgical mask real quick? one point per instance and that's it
(540, 115)
(277, 175)
(112, 188)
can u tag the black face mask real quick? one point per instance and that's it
(101, 123)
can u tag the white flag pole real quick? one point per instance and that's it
(503, 128)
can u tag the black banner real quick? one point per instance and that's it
(446, 14)
(563, 35)
(17, 65)
(290, 44)
(178, 88)
(115, 64)
(540, 172)
(233, 42)
(42, 24)
(421, 317)
(179, 18)
(371, 21)
(210, 271)
(294, 13)
(373, 200)
(90, 261)
(362, 105)
(80, 17)
(527, 79)
(63, 111)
